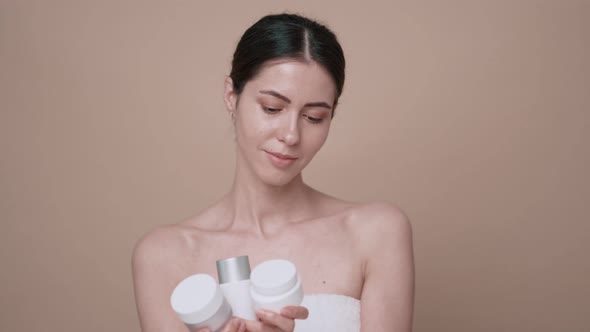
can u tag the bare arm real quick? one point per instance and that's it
(387, 298)
(152, 282)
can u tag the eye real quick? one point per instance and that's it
(271, 110)
(312, 119)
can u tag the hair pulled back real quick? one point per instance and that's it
(287, 36)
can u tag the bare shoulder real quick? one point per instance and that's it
(176, 246)
(373, 217)
(165, 242)
(178, 237)
(385, 241)
(161, 258)
(380, 215)
(163, 237)
(380, 225)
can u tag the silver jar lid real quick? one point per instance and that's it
(233, 269)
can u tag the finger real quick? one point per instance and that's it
(275, 319)
(295, 312)
(255, 326)
(242, 327)
(233, 325)
(205, 329)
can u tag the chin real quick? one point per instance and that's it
(277, 179)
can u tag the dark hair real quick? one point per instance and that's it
(287, 36)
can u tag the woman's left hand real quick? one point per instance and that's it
(270, 321)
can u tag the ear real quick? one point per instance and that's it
(230, 97)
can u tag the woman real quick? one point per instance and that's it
(287, 75)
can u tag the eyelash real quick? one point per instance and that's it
(271, 110)
(313, 120)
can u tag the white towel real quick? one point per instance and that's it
(330, 312)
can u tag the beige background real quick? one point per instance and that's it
(471, 115)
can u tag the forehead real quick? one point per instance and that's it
(304, 81)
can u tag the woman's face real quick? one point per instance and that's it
(282, 118)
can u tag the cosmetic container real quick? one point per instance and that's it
(234, 280)
(199, 302)
(275, 284)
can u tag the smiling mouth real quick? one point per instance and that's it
(280, 160)
(281, 156)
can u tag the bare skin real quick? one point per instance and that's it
(362, 251)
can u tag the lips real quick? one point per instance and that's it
(282, 156)
(280, 160)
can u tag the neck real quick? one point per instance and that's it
(263, 208)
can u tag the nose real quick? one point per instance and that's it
(289, 131)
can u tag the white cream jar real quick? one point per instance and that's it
(199, 302)
(275, 284)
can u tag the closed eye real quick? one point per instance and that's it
(312, 119)
(270, 109)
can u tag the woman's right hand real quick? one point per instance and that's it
(270, 321)
(234, 325)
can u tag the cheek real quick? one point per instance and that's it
(251, 126)
(316, 139)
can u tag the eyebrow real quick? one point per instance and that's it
(287, 100)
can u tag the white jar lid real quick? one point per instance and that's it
(274, 277)
(196, 298)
